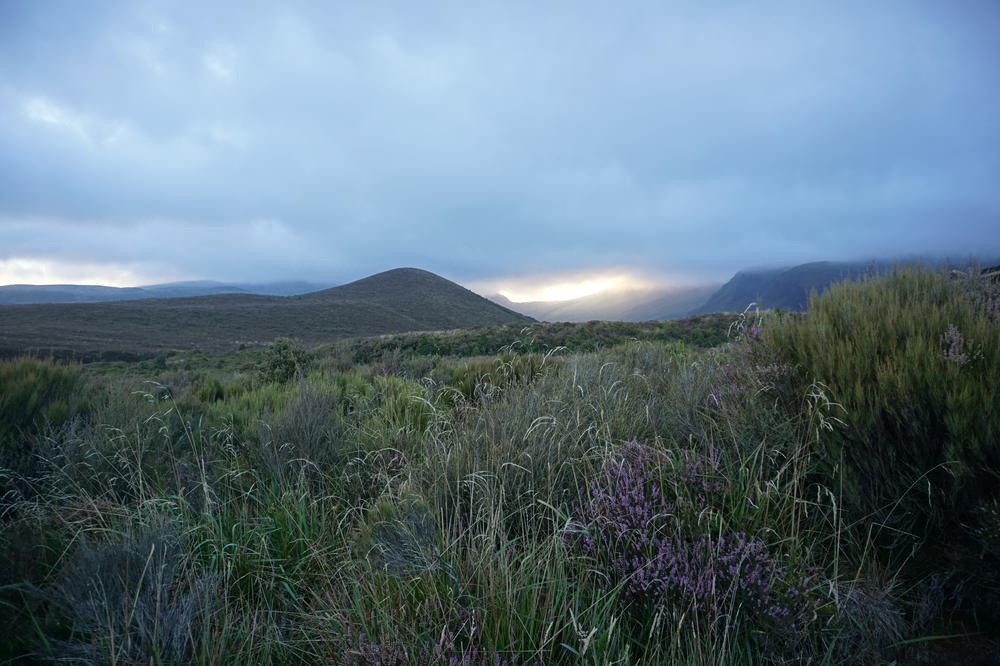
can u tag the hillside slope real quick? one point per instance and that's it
(395, 301)
(785, 288)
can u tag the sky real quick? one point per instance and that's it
(526, 146)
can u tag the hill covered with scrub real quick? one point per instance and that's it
(403, 299)
(813, 488)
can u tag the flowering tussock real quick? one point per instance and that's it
(747, 378)
(957, 349)
(632, 524)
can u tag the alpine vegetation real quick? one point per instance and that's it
(785, 488)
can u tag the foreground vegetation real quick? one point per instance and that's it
(819, 488)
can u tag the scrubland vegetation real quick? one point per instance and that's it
(818, 488)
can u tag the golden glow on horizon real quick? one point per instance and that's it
(567, 288)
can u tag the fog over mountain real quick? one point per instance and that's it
(258, 142)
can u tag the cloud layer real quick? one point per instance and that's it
(246, 141)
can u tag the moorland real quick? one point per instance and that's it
(768, 487)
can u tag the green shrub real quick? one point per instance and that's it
(35, 393)
(35, 397)
(210, 390)
(913, 363)
(283, 361)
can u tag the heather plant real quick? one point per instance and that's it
(631, 524)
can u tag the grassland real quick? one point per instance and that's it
(768, 489)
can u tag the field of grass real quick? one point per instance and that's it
(773, 489)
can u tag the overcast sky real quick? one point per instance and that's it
(143, 141)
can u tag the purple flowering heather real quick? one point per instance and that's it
(630, 526)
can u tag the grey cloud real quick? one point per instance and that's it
(248, 141)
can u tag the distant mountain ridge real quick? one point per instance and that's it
(785, 288)
(395, 301)
(23, 294)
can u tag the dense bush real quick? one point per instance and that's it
(702, 331)
(913, 361)
(35, 393)
(36, 398)
(284, 360)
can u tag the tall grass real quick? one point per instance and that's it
(642, 504)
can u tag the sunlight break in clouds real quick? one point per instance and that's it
(567, 288)
(666, 138)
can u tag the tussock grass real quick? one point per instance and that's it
(639, 503)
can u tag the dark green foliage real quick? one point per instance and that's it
(698, 332)
(210, 390)
(36, 397)
(35, 393)
(283, 361)
(914, 364)
(479, 378)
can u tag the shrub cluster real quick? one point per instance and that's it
(912, 359)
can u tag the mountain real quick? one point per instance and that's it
(12, 294)
(785, 288)
(650, 304)
(396, 301)
(18, 294)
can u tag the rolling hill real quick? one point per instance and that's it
(396, 301)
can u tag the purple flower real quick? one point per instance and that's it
(628, 525)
